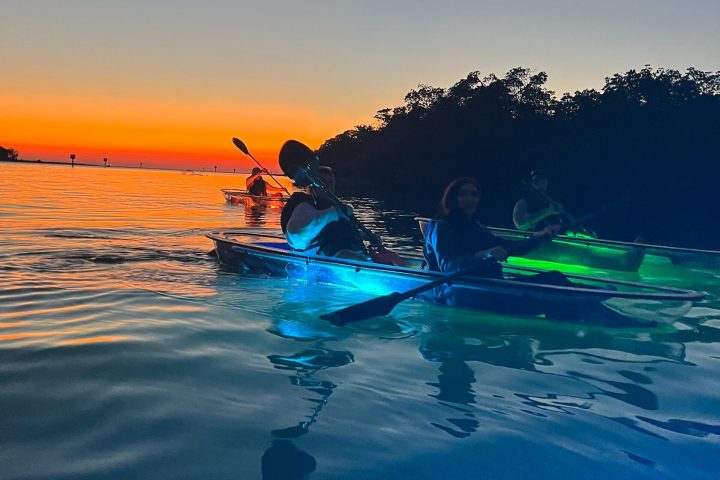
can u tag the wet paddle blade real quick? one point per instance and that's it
(240, 145)
(376, 307)
(296, 159)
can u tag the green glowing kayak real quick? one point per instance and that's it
(605, 254)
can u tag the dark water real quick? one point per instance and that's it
(126, 352)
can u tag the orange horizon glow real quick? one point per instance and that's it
(158, 133)
(228, 160)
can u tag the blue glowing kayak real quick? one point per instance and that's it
(255, 253)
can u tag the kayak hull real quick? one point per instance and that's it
(245, 253)
(242, 196)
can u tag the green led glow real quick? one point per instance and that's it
(548, 265)
(578, 235)
(597, 250)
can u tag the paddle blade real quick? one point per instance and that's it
(296, 159)
(376, 307)
(240, 145)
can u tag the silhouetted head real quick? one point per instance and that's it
(326, 175)
(462, 195)
(255, 171)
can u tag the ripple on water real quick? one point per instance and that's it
(126, 352)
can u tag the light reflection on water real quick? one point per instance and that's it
(126, 352)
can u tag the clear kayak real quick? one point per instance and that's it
(247, 252)
(606, 254)
(242, 196)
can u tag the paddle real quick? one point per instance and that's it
(300, 163)
(241, 146)
(381, 306)
(559, 208)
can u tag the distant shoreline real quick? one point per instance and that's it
(53, 163)
(97, 165)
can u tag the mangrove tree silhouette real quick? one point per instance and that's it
(652, 134)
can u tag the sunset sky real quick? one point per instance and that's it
(170, 82)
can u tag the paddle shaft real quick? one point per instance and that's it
(370, 235)
(441, 281)
(244, 149)
(601, 211)
(552, 202)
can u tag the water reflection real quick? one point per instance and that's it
(619, 365)
(255, 214)
(283, 460)
(306, 364)
(455, 387)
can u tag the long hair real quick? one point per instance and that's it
(449, 202)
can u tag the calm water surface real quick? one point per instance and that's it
(126, 352)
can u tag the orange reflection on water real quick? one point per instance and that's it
(59, 333)
(13, 324)
(91, 340)
(122, 200)
(27, 335)
(86, 236)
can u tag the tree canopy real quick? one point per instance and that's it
(650, 134)
(8, 154)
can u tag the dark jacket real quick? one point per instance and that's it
(258, 187)
(451, 244)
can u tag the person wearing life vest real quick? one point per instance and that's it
(534, 212)
(312, 222)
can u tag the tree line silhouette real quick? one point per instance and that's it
(8, 154)
(650, 137)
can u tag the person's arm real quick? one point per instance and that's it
(273, 189)
(525, 220)
(522, 247)
(306, 222)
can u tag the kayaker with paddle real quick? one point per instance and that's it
(534, 211)
(458, 240)
(255, 184)
(311, 221)
(316, 220)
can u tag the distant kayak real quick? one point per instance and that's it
(249, 252)
(241, 196)
(605, 254)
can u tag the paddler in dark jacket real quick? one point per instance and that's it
(312, 222)
(458, 240)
